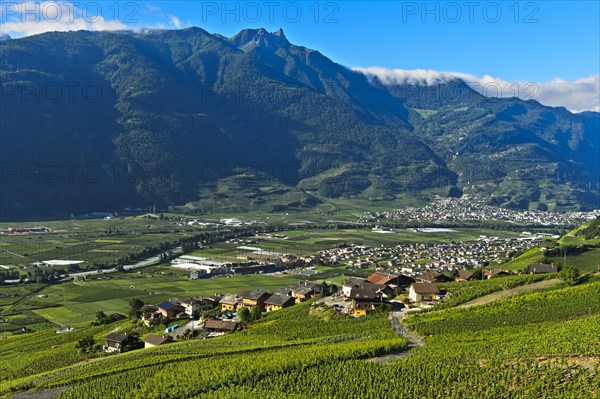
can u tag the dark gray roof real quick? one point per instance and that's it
(353, 281)
(368, 290)
(117, 337)
(283, 291)
(541, 268)
(307, 283)
(362, 293)
(166, 305)
(253, 295)
(303, 290)
(279, 300)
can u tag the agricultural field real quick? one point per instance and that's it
(459, 293)
(76, 303)
(92, 241)
(539, 344)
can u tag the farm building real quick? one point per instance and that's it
(351, 283)
(494, 272)
(392, 279)
(196, 305)
(464, 275)
(367, 295)
(432, 277)
(306, 290)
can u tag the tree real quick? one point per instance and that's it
(102, 318)
(570, 275)
(477, 274)
(86, 344)
(255, 313)
(135, 307)
(243, 315)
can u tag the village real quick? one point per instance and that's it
(471, 210)
(414, 258)
(217, 315)
(408, 258)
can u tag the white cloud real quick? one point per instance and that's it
(175, 21)
(577, 95)
(30, 18)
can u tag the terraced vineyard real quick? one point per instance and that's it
(543, 344)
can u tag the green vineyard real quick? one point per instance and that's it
(543, 344)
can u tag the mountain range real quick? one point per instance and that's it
(106, 120)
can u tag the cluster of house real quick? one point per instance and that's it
(176, 308)
(380, 287)
(364, 293)
(468, 209)
(184, 308)
(267, 301)
(414, 258)
(25, 230)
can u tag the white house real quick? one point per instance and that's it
(423, 292)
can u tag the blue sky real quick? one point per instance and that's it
(516, 41)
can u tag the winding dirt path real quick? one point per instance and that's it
(523, 289)
(414, 339)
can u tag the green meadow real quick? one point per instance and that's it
(71, 303)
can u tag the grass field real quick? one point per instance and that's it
(534, 255)
(588, 261)
(111, 293)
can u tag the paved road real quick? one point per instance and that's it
(414, 339)
(335, 300)
(191, 325)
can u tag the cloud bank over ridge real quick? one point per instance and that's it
(577, 96)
